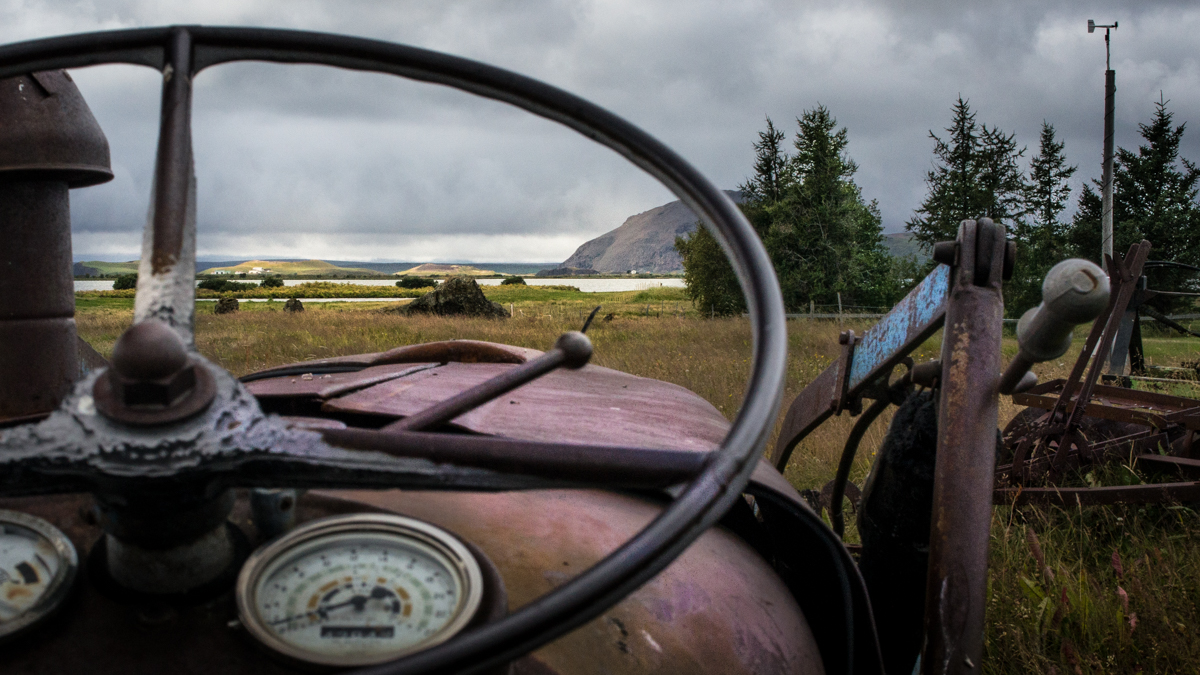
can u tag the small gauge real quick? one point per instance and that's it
(37, 567)
(358, 590)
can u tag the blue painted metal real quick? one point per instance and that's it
(884, 345)
(923, 305)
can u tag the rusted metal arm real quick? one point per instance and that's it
(166, 276)
(962, 493)
(884, 345)
(571, 350)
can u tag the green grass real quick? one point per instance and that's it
(1029, 626)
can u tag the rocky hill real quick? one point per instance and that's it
(645, 242)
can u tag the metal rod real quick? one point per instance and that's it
(1127, 270)
(591, 464)
(571, 350)
(1152, 493)
(847, 462)
(1106, 181)
(166, 275)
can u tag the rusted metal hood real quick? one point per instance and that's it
(589, 405)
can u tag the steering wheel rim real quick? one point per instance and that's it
(705, 499)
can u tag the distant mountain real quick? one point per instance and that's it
(645, 242)
(305, 267)
(901, 244)
(439, 270)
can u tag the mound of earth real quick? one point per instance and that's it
(457, 296)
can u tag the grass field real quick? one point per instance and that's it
(1082, 590)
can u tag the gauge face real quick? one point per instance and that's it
(37, 566)
(358, 590)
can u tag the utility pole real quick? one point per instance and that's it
(1110, 90)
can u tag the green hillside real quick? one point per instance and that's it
(109, 268)
(902, 244)
(301, 268)
(438, 270)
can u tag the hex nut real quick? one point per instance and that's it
(152, 380)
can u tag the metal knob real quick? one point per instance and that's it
(1075, 291)
(152, 380)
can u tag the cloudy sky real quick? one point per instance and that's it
(315, 162)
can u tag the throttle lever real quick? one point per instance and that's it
(1075, 291)
(571, 350)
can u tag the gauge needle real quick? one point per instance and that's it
(359, 602)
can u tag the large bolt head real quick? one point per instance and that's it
(152, 380)
(150, 350)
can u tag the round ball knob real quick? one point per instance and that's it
(576, 348)
(1076, 290)
(150, 350)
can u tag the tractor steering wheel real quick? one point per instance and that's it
(232, 443)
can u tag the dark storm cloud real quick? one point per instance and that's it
(310, 161)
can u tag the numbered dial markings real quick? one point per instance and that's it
(358, 590)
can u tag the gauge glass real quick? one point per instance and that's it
(359, 590)
(37, 564)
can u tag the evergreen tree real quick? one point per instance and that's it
(1084, 236)
(976, 175)
(823, 238)
(711, 283)
(771, 168)
(1041, 237)
(1154, 197)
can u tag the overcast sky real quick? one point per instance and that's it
(315, 162)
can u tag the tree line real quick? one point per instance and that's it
(826, 240)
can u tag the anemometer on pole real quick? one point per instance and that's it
(1110, 89)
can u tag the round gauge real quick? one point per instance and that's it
(358, 590)
(37, 566)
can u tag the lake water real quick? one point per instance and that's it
(585, 285)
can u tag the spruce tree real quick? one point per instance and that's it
(1041, 237)
(711, 283)
(976, 175)
(823, 238)
(771, 168)
(1154, 198)
(1084, 236)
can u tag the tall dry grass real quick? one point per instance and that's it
(1080, 617)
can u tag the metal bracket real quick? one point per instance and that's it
(848, 340)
